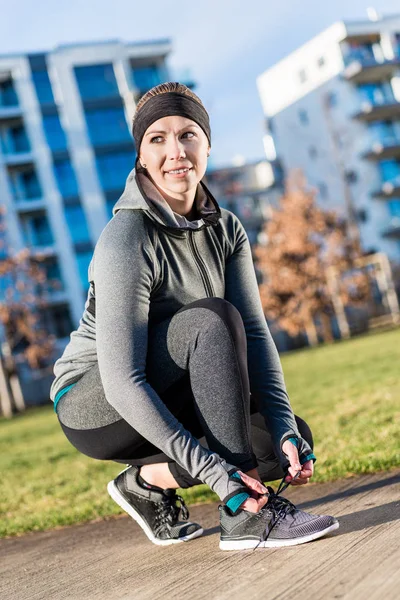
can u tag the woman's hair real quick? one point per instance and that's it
(163, 88)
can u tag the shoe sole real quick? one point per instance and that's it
(251, 544)
(120, 500)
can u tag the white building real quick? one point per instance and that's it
(333, 109)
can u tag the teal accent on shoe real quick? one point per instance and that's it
(294, 441)
(234, 503)
(60, 394)
(308, 457)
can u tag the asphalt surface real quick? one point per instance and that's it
(113, 559)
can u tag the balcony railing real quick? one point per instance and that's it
(389, 188)
(376, 107)
(392, 230)
(379, 145)
(363, 66)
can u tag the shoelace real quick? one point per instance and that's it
(279, 507)
(168, 510)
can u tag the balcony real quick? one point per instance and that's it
(9, 112)
(382, 146)
(363, 67)
(31, 205)
(393, 229)
(18, 159)
(389, 188)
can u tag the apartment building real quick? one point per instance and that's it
(65, 152)
(332, 108)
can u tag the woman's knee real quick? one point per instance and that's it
(227, 314)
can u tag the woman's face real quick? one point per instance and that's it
(171, 144)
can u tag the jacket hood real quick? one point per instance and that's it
(140, 193)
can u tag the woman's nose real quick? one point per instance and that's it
(176, 149)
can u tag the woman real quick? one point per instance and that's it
(172, 370)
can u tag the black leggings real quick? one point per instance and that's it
(197, 363)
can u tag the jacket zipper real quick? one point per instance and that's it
(202, 267)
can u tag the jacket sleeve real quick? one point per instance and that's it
(124, 276)
(267, 384)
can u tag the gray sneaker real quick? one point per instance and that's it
(155, 510)
(279, 523)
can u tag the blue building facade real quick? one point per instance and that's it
(65, 152)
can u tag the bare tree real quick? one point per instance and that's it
(24, 291)
(302, 243)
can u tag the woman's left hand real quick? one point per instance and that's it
(306, 470)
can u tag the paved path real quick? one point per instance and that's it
(112, 559)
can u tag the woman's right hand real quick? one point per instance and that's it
(257, 491)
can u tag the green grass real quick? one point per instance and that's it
(348, 392)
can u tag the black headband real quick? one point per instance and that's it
(166, 105)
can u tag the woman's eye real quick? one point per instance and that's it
(157, 137)
(189, 132)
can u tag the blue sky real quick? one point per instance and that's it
(226, 44)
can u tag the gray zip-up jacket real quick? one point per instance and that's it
(147, 264)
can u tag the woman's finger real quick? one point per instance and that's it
(293, 457)
(254, 505)
(252, 483)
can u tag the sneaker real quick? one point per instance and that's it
(278, 523)
(154, 509)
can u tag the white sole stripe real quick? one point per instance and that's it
(251, 544)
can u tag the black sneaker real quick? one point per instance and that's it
(278, 523)
(155, 510)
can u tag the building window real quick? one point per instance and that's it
(107, 126)
(43, 88)
(53, 280)
(302, 76)
(331, 99)
(312, 152)
(14, 140)
(25, 185)
(83, 259)
(147, 77)
(77, 223)
(321, 61)
(323, 191)
(55, 135)
(96, 81)
(65, 177)
(303, 116)
(113, 169)
(8, 95)
(36, 230)
(57, 320)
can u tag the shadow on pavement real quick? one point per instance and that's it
(357, 521)
(350, 492)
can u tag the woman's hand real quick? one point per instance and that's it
(305, 471)
(257, 491)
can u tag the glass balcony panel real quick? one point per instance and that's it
(114, 168)
(36, 231)
(8, 95)
(96, 81)
(383, 133)
(77, 223)
(14, 140)
(25, 185)
(107, 126)
(394, 207)
(145, 78)
(390, 170)
(65, 177)
(54, 132)
(375, 94)
(43, 87)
